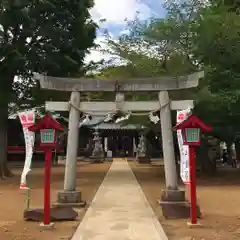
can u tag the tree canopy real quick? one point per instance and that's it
(45, 36)
(192, 36)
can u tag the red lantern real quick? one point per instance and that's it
(47, 127)
(191, 129)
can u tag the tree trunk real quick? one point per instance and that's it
(4, 171)
(5, 94)
(3, 143)
(206, 158)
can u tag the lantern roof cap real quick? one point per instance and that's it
(46, 122)
(193, 121)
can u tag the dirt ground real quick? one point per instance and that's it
(13, 201)
(219, 199)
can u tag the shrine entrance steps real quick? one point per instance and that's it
(119, 210)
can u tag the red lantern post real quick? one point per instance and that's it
(191, 129)
(193, 187)
(47, 127)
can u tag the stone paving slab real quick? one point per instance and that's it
(119, 210)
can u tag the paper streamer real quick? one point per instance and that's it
(27, 119)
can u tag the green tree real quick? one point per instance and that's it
(161, 47)
(44, 36)
(193, 36)
(179, 45)
(218, 46)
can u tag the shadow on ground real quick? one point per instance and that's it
(218, 198)
(13, 200)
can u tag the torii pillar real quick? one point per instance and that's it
(167, 142)
(70, 195)
(171, 195)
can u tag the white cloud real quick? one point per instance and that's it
(101, 53)
(114, 13)
(117, 12)
(125, 31)
(96, 54)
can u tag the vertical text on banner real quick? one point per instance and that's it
(183, 149)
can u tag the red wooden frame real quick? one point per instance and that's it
(47, 122)
(36, 150)
(192, 122)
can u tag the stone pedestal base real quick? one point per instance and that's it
(70, 198)
(108, 159)
(46, 227)
(56, 214)
(173, 195)
(96, 159)
(196, 225)
(174, 205)
(144, 160)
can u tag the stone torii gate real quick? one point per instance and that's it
(70, 196)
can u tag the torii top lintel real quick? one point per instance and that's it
(119, 85)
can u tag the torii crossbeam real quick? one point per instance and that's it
(98, 108)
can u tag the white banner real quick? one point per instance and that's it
(183, 149)
(27, 119)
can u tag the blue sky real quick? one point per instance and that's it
(116, 12)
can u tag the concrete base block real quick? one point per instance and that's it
(174, 204)
(173, 195)
(144, 160)
(94, 159)
(46, 227)
(196, 225)
(177, 210)
(56, 214)
(71, 205)
(70, 199)
(108, 159)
